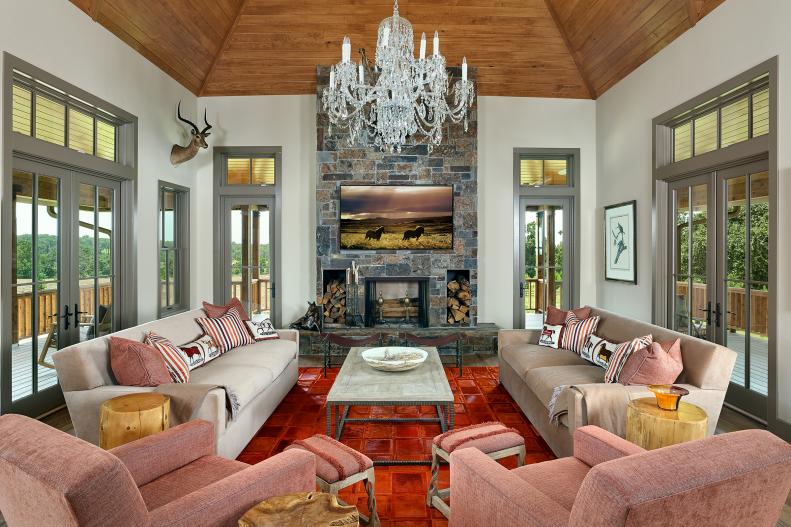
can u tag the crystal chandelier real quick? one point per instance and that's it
(403, 97)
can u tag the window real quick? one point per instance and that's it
(539, 172)
(173, 249)
(250, 170)
(49, 114)
(733, 117)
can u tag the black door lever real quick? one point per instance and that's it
(65, 316)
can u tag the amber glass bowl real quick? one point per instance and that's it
(667, 395)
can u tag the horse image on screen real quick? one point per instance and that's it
(396, 217)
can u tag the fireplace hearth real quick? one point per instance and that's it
(396, 301)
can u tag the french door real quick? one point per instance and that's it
(544, 228)
(247, 268)
(719, 262)
(64, 251)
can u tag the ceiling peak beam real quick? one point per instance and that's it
(694, 9)
(96, 9)
(221, 50)
(574, 55)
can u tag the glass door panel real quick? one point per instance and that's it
(251, 257)
(699, 236)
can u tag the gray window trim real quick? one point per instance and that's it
(751, 150)
(570, 192)
(183, 217)
(224, 193)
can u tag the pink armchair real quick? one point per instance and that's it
(736, 479)
(174, 478)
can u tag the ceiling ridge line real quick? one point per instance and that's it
(574, 55)
(222, 48)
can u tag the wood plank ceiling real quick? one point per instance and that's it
(523, 48)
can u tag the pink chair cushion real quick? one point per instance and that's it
(659, 363)
(560, 479)
(486, 437)
(137, 364)
(334, 461)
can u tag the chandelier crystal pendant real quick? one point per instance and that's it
(403, 96)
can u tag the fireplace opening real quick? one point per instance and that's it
(396, 302)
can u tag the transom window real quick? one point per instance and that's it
(49, 114)
(539, 171)
(733, 117)
(250, 170)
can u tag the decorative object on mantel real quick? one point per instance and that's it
(394, 358)
(459, 297)
(620, 242)
(180, 154)
(310, 321)
(668, 396)
(403, 97)
(407, 303)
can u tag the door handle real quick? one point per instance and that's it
(521, 289)
(718, 315)
(77, 313)
(708, 313)
(65, 316)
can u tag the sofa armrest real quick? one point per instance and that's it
(153, 456)
(225, 501)
(289, 334)
(486, 493)
(594, 445)
(508, 337)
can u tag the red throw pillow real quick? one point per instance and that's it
(659, 363)
(557, 317)
(220, 311)
(137, 364)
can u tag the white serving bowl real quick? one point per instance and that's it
(394, 358)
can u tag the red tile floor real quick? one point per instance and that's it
(400, 490)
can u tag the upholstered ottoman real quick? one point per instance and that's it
(339, 466)
(493, 439)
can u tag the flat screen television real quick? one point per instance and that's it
(388, 217)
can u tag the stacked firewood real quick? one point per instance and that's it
(459, 297)
(333, 302)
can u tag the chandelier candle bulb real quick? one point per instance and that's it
(464, 69)
(436, 43)
(346, 50)
(332, 76)
(422, 46)
(360, 69)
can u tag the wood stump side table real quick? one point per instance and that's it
(651, 427)
(303, 509)
(129, 417)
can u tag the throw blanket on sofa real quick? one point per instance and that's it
(604, 404)
(186, 399)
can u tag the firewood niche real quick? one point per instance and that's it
(333, 299)
(459, 297)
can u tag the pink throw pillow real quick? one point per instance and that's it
(213, 311)
(659, 363)
(557, 317)
(137, 364)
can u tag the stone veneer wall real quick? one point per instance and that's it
(454, 162)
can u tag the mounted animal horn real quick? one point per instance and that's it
(179, 154)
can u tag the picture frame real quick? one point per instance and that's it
(620, 242)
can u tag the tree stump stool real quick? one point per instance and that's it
(130, 417)
(651, 427)
(303, 509)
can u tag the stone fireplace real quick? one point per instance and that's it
(454, 162)
(396, 301)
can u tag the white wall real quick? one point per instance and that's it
(57, 37)
(717, 49)
(287, 121)
(505, 123)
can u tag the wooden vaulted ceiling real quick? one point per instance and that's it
(527, 48)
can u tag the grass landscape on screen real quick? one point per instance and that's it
(396, 217)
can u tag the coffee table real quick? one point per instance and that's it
(358, 384)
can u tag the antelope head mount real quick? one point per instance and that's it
(179, 154)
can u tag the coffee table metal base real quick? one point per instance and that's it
(340, 409)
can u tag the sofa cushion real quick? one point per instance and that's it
(525, 357)
(659, 363)
(577, 331)
(213, 311)
(559, 479)
(621, 355)
(174, 359)
(228, 331)
(272, 354)
(543, 381)
(187, 479)
(550, 336)
(262, 329)
(137, 364)
(557, 316)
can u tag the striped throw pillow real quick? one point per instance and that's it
(228, 331)
(622, 353)
(577, 331)
(174, 360)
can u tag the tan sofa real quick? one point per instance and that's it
(261, 373)
(531, 373)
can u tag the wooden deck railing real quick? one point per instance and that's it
(48, 309)
(260, 293)
(534, 294)
(736, 305)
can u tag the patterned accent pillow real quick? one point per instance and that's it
(262, 330)
(577, 331)
(598, 351)
(557, 316)
(213, 311)
(174, 361)
(621, 355)
(228, 332)
(550, 336)
(199, 352)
